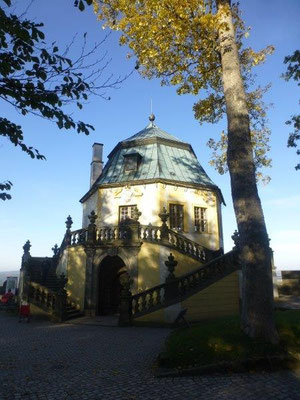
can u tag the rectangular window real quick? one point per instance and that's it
(176, 217)
(131, 162)
(126, 212)
(200, 219)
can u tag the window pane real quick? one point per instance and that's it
(200, 219)
(126, 212)
(176, 217)
(130, 163)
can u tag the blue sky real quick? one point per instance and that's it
(46, 192)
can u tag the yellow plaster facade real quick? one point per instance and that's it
(150, 200)
(75, 270)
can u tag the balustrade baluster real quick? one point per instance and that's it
(197, 252)
(194, 250)
(158, 297)
(136, 306)
(150, 302)
(143, 302)
(159, 233)
(150, 233)
(173, 240)
(185, 246)
(142, 232)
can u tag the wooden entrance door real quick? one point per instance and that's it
(110, 270)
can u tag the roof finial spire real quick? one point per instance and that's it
(152, 116)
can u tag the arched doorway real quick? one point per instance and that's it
(109, 287)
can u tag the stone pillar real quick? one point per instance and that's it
(92, 229)
(24, 273)
(69, 223)
(164, 216)
(89, 306)
(61, 299)
(125, 308)
(171, 290)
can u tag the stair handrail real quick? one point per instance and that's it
(177, 290)
(53, 302)
(154, 234)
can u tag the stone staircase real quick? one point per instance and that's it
(72, 312)
(52, 295)
(51, 280)
(175, 290)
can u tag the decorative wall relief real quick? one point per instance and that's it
(127, 193)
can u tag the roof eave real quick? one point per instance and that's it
(96, 186)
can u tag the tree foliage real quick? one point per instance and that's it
(293, 72)
(157, 34)
(5, 186)
(36, 78)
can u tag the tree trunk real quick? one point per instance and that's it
(257, 318)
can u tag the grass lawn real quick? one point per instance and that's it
(221, 341)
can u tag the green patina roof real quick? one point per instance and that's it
(162, 157)
(152, 131)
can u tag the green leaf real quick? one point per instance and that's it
(41, 35)
(81, 5)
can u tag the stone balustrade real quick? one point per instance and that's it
(53, 302)
(147, 233)
(172, 239)
(148, 301)
(176, 290)
(111, 233)
(79, 236)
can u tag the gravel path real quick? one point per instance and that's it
(48, 361)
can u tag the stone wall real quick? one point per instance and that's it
(290, 284)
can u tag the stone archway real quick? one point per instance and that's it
(109, 287)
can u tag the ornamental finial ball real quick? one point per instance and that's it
(152, 117)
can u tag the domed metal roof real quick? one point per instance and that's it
(159, 157)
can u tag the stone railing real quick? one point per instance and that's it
(144, 233)
(77, 237)
(111, 233)
(178, 289)
(175, 240)
(53, 302)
